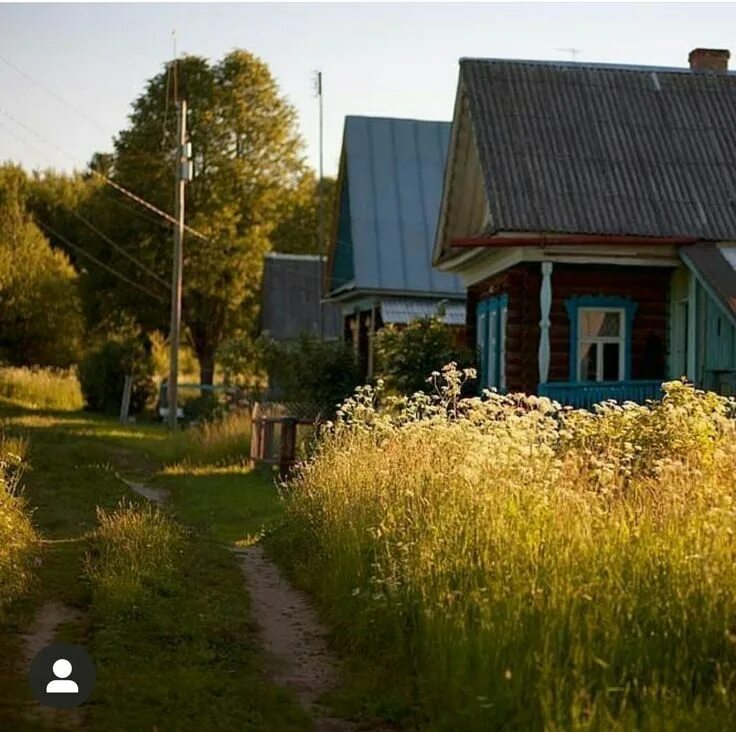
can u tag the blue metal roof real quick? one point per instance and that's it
(390, 187)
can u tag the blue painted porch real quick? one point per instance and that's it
(586, 394)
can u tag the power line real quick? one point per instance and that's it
(135, 197)
(59, 99)
(84, 253)
(117, 247)
(91, 226)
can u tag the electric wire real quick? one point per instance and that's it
(84, 253)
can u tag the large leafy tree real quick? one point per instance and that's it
(246, 151)
(40, 314)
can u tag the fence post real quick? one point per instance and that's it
(255, 434)
(288, 446)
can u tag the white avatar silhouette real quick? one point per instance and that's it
(62, 685)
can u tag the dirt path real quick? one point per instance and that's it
(159, 496)
(292, 635)
(49, 617)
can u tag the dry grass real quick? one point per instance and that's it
(40, 388)
(18, 540)
(220, 442)
(518, 566)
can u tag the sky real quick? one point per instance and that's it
(398, 60)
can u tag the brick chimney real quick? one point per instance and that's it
(709, 59)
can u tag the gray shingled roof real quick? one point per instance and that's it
(577, 148)
(290, 299)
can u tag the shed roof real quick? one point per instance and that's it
(291, 294)
(604, 149)
(715, 267)
(388, 197)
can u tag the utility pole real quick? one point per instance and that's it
(321, 227)
(183, 175)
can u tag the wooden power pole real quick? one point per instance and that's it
(183, 175)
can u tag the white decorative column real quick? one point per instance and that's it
(545, 303)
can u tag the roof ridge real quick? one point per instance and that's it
(644, 68)
(398, 119)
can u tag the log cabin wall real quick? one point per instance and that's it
(648, 287)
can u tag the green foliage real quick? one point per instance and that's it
(317, 375)
(246, 151)
(298, 227)
(37, 388)
(40, 312)
(19, 542)
(406, 354)
(516, 565)
(103, 370)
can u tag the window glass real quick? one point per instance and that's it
(600, 323)
(611, 361)
(588, 361)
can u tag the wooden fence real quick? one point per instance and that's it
(275, 438)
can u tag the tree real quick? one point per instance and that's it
(40, 314)
(246, 151)
(298, 227)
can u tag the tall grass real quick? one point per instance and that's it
(134, 556)
(221, 441)
(18, 540)
(515, 565)
(41, 388)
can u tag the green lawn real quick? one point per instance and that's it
(188, 661)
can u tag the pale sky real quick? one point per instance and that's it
(397, 60)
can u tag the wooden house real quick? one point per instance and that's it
(590, 210)
(379, 264)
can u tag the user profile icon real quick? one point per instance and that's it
(62, 684)
(62, 676)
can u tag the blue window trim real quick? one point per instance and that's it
(486, 307)
(573, 304)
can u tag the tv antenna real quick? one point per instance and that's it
(572, 51)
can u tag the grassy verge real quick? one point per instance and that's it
(165, 611)
(514, 566)
(181, 606)
(39, 388)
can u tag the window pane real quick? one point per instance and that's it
(611, 353)
(588, 361)
(600, 323)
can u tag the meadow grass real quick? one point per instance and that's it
(223, 440)
(41, 388)
(515, 565)
(19, 542)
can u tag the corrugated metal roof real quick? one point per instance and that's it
(577, 148)
(404, 310)
(393, 171)
(290, 300)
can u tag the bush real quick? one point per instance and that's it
(19, 542)
(317, 375)
(523, 566)
(102, 373)
(405, 355)
(39, 388)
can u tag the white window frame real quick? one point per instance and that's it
(598, 341)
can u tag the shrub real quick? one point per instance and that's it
(18, 541)
(406, 354)
(39, 388)
(317, 375)
(103, 370)
(523, 566)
